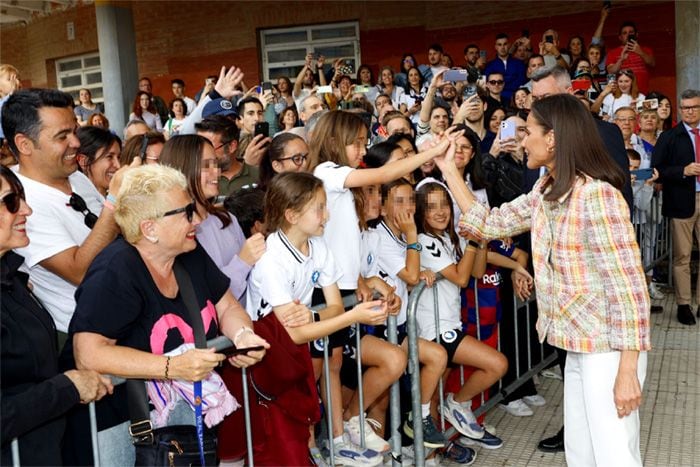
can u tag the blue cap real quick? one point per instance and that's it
(218, 106)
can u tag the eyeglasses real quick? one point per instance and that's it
(689, 108)
(78, 204)
(188, 210)
(297, 159)
(11, 201)
(496, 82)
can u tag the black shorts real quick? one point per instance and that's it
(450, 340)
(337, 339)
(381, 332)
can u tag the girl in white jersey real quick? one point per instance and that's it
(297, 261)
(337, 147)
(441, 253)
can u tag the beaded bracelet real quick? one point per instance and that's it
(167, 368)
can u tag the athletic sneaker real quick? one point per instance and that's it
(463, 455)
(461, 418)
(655, 293)
(535, 400)
(517, 408)
(317, 458)
(346, 453)
(432, 437)
(488, 441)
(372, 440)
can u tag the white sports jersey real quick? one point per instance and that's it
(284, 274)
(342, 232)
(391, 260)
(370, 251)
(437, 254)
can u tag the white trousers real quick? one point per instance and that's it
(593, 433)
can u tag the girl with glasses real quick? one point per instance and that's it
(287, 153)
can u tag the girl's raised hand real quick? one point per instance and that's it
(405, 222)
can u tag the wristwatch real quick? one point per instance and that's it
(414, 246)
(475, 244)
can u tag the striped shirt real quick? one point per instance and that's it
(591, 290)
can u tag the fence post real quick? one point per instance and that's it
(394, 401)
(438, 337)
(360, 393)
(329, 400)
(414, 371)
(246, 413)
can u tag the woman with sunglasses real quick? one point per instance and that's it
(131, 320)
(219, 232)
(622, 92)
(35, 395)
(287, 153)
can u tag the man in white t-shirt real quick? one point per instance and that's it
(178, 87)
(64, 236)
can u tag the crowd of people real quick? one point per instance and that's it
(248, 206)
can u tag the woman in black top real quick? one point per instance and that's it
(35, 395)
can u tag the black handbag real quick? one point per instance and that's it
(174, 445)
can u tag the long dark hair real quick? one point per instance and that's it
(579, 151)
(474, 167)
(184, 153)
(92, 139)
(138, 111)
(421, 81)
(668, 122)
(275, 151)
(420, 217)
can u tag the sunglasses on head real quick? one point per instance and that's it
(12, 201)
(297, 159)
(78, 204)
(188, 210)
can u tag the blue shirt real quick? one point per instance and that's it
(513, 71)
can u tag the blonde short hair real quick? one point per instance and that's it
(142, 197)
(7, 69)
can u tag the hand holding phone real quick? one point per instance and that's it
(507, 129)
(223, 344)
(262, 128)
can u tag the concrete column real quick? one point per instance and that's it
(687, 45)
(117, 43)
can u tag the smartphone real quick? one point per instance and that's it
(418, 99)
(549, 39)
(607, 4)
(507, 129)
(632, 37)
(459, 74)
(482, 53)
(361, 88)
(593, 94)
(262, 128)
(324, 90)
(469, 91)
(648, 104)
(611, 78)
(581, 85)
(267, 86)
(642, 174)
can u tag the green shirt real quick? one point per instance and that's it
(247, 176)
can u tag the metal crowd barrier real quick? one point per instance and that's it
(653, 233)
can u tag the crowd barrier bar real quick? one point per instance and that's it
(394, 398)
(654, 236)
(15, 453)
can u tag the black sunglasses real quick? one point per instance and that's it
(78, 204)
(496, 81)
(298, 159)
(11, 201)
(188, 210)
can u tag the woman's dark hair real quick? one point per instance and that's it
(291, 108)
(417, 173)
(420, 217)
(371, 75)
(184, 106)
(474, 167)
(488, 113)
(184, 153)
(579, 151)
(12, 180)
(583, 46)
(512, 102)
(405, 56)
(421, 80)
(379, 154)
(134, 146)
(290, 86)
(288, 190)
(136, 108)
(275, 151)
(93, 139)
(246, 205)
(668, 122)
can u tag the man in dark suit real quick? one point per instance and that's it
(677, 158)
(548, 81)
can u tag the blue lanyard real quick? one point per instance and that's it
(199, 423)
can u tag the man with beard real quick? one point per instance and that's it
(434, 65)
(223, 134)
(68, 227)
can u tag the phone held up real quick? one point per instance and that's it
(262, 128)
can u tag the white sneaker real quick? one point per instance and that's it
(655, 293)
(372, 440)
(461, 418)
(535, 400)
(346, 453)
(517, 408)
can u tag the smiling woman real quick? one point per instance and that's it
(98, 156)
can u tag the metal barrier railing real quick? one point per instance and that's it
(653, 232)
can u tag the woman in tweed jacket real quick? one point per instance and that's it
(591, 293)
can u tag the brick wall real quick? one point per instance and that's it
(190, 40)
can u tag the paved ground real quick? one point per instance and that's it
(670, 411)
